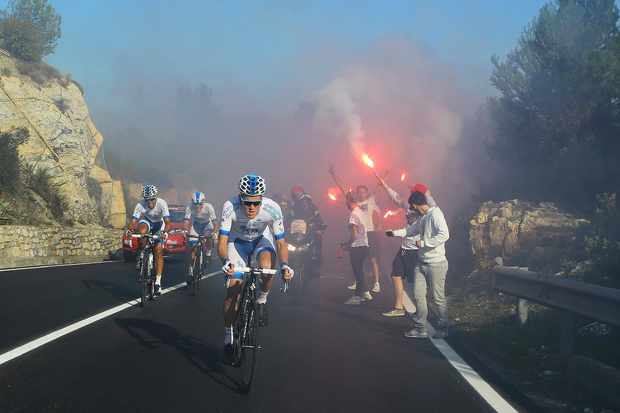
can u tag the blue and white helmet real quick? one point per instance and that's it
(198, 198)
(252, 185)
(149, 192)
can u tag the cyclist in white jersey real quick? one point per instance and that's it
(250, 225)
(199, 220)
(151, 215)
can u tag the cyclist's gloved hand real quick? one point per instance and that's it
(287, 272)
(389, 233)
(228, 268)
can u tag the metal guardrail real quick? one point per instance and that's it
(576, 300)
(587, 300)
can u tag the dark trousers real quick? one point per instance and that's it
(358, 255)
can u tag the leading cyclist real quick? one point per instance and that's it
(249, 224)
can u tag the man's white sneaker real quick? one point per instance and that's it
(416, 333)
(355, 300)
(366, 296)
(376, 288)
(352, 286)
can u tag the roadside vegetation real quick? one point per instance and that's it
(28, 195)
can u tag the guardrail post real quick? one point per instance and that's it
(567, 334)
(522, 310)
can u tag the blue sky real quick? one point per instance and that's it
(262, 48)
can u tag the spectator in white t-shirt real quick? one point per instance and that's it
(358, 252)
(371, 217)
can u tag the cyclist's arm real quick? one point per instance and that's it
(228, 214)
(282, 247)
(167, 224)
(137, 214)
(222, 247)
(188, 218)
(166, 216)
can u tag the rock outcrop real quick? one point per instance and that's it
(536, 235)
(63, 141)
(27, 245)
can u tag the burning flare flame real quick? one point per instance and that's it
(332, 196)
(403, 176)
(369, 162)
(390, 213)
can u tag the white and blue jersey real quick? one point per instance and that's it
(202, 217)
(236, 225)
(249, 237)
(152, 217)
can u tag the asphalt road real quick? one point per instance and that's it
(319, 355)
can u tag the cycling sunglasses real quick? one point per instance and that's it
(251, 203)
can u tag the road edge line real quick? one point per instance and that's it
(471, 376)
(55, 335)
(36, 267)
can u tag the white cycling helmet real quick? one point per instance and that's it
(252, 185)
(198, 198)
(149, 192)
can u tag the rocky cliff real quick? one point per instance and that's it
(537, 235)
(63, 140)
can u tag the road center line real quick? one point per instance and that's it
(484, 389)
(55, 335)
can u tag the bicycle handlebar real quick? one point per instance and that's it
(145, 236)
(247, 270)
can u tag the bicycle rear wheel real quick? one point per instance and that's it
(197, 275)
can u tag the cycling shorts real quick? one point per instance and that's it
(243, 253)
(153, 227)
(199, 228)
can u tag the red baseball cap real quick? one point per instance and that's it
(419, 188)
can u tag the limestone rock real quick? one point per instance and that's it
(63, 140)
(522, 233)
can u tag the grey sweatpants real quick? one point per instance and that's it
(430, 278)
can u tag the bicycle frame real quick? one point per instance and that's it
(147, 266)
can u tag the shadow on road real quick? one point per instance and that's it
(206, 358)
(119, 291)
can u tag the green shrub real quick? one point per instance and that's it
(29, 29)
(39, 72)
(39, 181)
(9, 159)
(5, 71)
(603, 243)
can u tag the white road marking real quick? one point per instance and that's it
(484, 389)
(36, 267)
(55, 335)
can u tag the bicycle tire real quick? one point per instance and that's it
(196, 281)
(144, 277)
(249, 348)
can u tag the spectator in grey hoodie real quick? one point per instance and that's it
(432, 266)
(405, 260)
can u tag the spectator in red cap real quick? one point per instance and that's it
(405, 260)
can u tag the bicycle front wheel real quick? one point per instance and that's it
(249, 347)
(144, 280)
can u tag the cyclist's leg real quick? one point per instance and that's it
(238, 255)
(193, 245)
(158, 251)
(144, 226)
(265, 255)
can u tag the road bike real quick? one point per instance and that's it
(245, 342)
(200, 263)
(146, 267)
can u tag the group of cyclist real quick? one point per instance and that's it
(251, 233)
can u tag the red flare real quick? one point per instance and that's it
(369, 162)
(403, 176)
